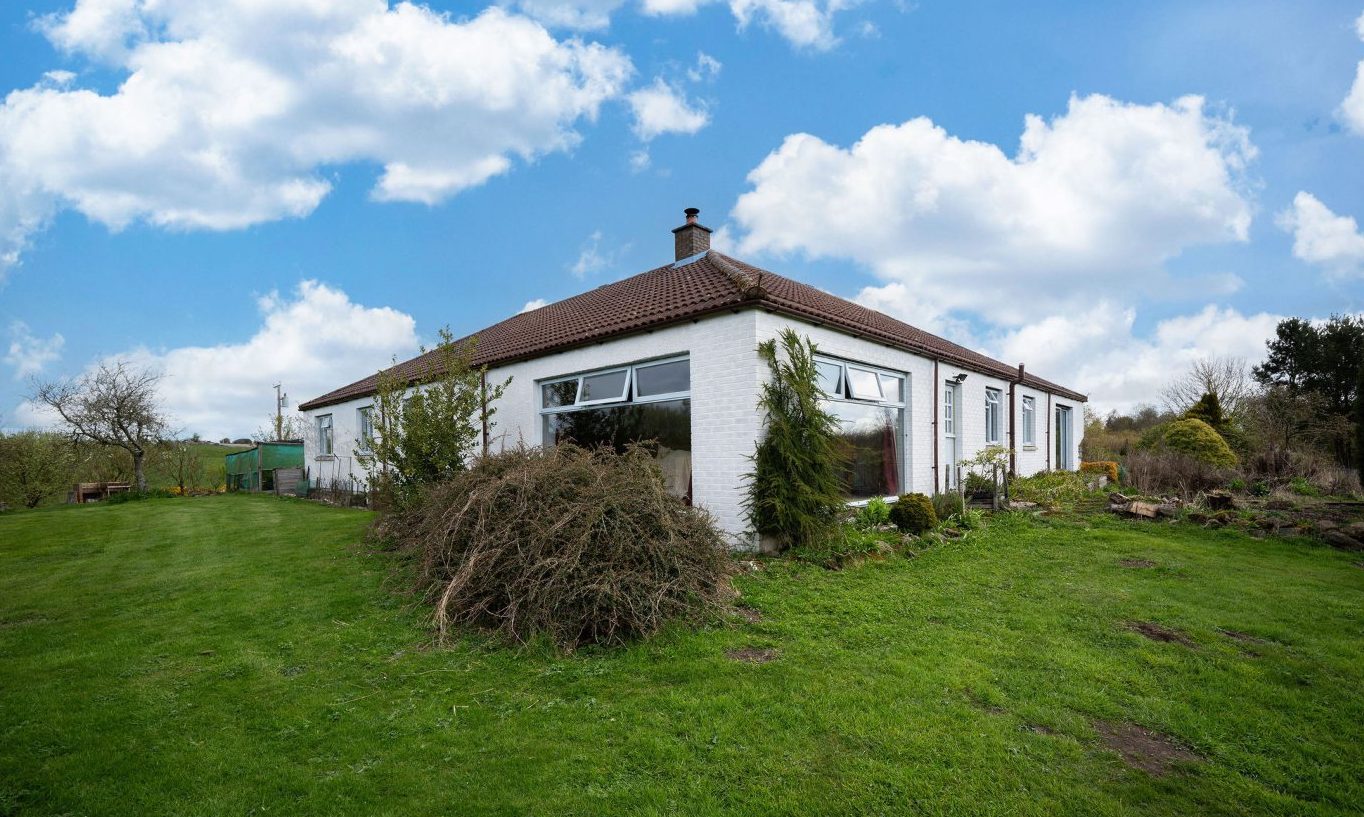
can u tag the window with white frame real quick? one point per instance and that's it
(365, 422)
(869, 404)
(1030, 421)
(324, 435)
(643, 402)
(993, 426)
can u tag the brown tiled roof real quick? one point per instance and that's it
(672, 294)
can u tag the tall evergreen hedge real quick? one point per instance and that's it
(795, 494)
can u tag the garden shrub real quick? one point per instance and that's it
(1167, 471)
(1301, 487)
(1050, 489)
(1200, 441)
(842, 546)
(944, 505)
(913, 513)
(968, 519)
(872, 515)
(1105, 467)
(574, 545)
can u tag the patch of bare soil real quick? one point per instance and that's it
(1151, 752)
(1040, 729)
(1137, 563)
(1159, 632)
(749, 614)
(752, 655)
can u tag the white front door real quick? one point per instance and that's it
(949, 430)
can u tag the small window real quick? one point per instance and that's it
(604, 387)
(830, 377)
(324, 435)
(863, 385)
(1029, 421)
(558, 394)
(365, 416)
(949, 415)
(893, 388)
(673, 377)
(992, 423)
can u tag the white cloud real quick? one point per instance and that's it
(102, 29)
(312, 341)
(531, 306)
(592, 259)
(1099, 197)
(706, 68)
(29, 354)
(1352, 109)
(640, 160)
(1323, 238)
(230, 111)
(671, 7)
(660, 108)
(583, 15)
(804, 23)
(1097, 352)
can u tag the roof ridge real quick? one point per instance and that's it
(750, 287)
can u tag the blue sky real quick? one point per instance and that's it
(310, 213)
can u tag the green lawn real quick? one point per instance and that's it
(242, 655)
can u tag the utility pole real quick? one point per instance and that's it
(281, 399)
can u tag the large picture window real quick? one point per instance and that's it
(870, 406)
(644, 403)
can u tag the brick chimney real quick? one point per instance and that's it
(691, 238)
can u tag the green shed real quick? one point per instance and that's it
(274, 466)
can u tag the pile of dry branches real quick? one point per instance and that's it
(579, 546)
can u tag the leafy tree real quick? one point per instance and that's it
(427, 428)
(34, 465)
(1322, 360)
(795, 495)
(1359, 424)
(113, 406)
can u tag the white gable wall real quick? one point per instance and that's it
(726, 375)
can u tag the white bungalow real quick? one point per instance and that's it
(671, 355)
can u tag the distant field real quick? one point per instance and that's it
(211, 473)
(242, 655)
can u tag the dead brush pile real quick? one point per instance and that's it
(582, 547)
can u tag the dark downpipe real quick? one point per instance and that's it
(937, 410)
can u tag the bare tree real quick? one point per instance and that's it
(1226, 377)
(115, 405)
(282, 427)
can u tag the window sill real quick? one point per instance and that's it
(325, 457)
(1029, 448)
